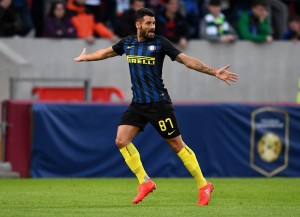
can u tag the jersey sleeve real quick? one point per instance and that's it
(169, 48)
(118, 47)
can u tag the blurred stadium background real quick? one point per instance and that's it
(255, 122)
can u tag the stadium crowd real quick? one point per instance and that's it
(179, 20)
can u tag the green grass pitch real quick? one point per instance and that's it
(174, 197)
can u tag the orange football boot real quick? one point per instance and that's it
(204, 194)
(143, 190)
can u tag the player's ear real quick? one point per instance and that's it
(137, 24)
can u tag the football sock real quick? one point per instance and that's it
(133, 160)
(189, 160)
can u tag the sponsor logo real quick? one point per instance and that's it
(128, 47)
(170, 133)
(207, 191)
(141, 60)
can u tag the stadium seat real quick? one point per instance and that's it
(105, 94)
(99, 94)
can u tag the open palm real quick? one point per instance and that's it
(224, 75)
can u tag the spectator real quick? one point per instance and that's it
(126, 22)
(278, 17)
(255, 25)
(10, 22)
(122, 6)
(192, 17)
(278, 14)
(94, 7)
(103, 10)
(154, 5)
(57, 25)
(172, 24)
(293, 30)
(109, 13)
(38, 16)
(215, 26)
(25, 16)
(85, 23)
(235, 9)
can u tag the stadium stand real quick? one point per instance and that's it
(99, 94)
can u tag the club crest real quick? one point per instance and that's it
(151, 48)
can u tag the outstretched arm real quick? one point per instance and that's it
(192, 63)
(97, 55)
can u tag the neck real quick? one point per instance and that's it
(140, 38)
(215, 15)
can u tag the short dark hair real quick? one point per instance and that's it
(294, 18)
(259, 3)
(133, 1)
(143, 12)
(166, 1)
(214, 2)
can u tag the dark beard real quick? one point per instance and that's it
(144, 34)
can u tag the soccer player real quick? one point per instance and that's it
(151, 102)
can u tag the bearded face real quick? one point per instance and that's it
(146, 27)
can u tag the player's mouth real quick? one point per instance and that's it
(151, 32)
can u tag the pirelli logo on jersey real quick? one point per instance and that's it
(141, 60)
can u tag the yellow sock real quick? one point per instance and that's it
(189, 160)
(133, 160)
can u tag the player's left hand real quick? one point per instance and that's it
(224, 75)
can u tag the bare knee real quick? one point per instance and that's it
(122, 142)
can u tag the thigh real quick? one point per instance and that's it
(130, 125)
(165, 123)
(132, 117)
(125, 135)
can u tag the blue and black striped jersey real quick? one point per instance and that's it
(145, 61)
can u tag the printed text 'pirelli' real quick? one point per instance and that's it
(141, 60)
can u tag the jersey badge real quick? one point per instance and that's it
(151, 48)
